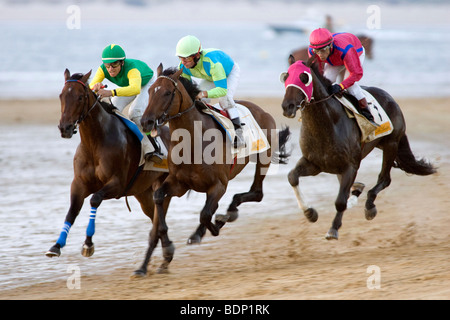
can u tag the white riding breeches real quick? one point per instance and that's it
(339, 73)
(138, 104)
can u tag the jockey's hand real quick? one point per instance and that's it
(334, 89)
(97, 86)
(104, 93)
(201, 95)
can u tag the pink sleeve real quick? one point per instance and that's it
(353, 65)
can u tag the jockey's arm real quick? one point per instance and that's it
(98, 78)
(134, 87)
(353, 65)
(220, 81)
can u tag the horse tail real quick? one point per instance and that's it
(281, 156)
(406, 160)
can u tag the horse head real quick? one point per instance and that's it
(74, 102)
(170, 96)
(298, 82)
(162, 99)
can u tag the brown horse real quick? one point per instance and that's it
(331, 142)
(367, 43)
(171, 99)
(106, 161)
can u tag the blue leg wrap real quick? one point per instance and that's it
(91, 226)
(63, 235)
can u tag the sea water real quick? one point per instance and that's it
(410, 59)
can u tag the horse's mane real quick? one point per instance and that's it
(314, 65)
(191, 87)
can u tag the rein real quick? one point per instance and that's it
(163, 118)
(83, 116)
(304, 104)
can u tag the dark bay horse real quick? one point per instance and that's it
(106, 161)
(172, 100)
(331, 142)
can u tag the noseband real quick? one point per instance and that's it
(303, 104)
(83, 116)
(164, 117)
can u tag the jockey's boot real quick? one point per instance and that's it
(364, 109)
(154, 152)
(239, 141)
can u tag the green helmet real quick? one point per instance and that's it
(187, 46)
(113, 53)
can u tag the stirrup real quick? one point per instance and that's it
(368, 115)
(154, 156)
(239, 141)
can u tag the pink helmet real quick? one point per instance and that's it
(320, 38)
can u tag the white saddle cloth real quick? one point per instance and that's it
(255, 139)
(369, 131)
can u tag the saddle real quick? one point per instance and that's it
(148, 165)
(255, 139)
(369, 131)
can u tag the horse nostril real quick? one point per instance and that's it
(67, 131)
(147, 124)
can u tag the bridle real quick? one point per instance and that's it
(303, 104)
(83, 116)
(164, 117)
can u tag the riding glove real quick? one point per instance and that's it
(335, 88)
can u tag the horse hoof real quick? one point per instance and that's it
(53, 252)
(163, 268)
(332, 234)
(371, 213)
(311, 214)
(357, 188)
(168, 252)
(87, 251)
(194, 239)
(221, 219)
(232, 215)
(139, 274)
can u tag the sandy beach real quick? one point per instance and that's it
(289, 258)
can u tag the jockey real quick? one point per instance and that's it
(220, 76)
(340, 52)
(134, 78)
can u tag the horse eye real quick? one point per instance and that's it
(80, 98)
(168, 93)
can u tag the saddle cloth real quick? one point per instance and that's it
(148, 165)
(369, 132)
(255, 139)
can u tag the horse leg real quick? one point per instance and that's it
(211, 205)
(77, 196)
(108, 191)
(384, 179)
(168, 248)
(255, 194)
(153, 241)
(303, 168)
(356, 191)
(148, 206)
(161, 198)
(346, 181)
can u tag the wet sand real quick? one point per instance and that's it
(276, 256)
